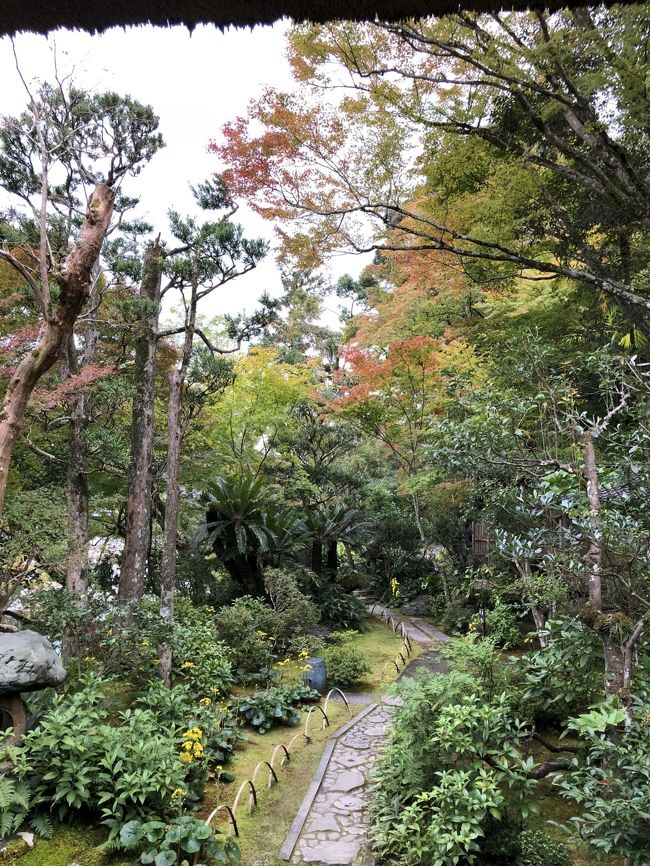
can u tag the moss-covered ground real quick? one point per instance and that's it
(72, 844)
(554, 810)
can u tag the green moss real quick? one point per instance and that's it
(70, 844)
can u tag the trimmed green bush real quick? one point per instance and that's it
(538, 849)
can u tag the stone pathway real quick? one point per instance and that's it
(331, 828)
(336, 829)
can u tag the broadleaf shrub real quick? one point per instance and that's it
(341, 610)
(344, 662)
(273, 706)
(538, 849)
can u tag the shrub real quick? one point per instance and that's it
(563, 678)
(538, 849)
(440, 825)
(434, 798)
(199, 659)
(176, 710)
(176, 842)
(480, 659)
(128, 644)
(339, 609)
(611, 781)
(273, 706)
(257, 632)
(306, 645)
(454, 618)
(76, 760)
(344, 663)
(501, 625)
(294, 610)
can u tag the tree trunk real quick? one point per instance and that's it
(174, 441)
(317, 557)
(418, 521)
(539, 618)
(595, 552)
(74, 287)
(77, 474)
(613, 650)
(138, 506)
(332, 557)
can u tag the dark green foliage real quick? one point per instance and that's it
(501, 625)
(610, 781)
(453, 777)
(176, 842)
(273, 706)
(339, 609)
(538, 849)
(345, 665)
(257, 633)
(564, 677)
(79, 760)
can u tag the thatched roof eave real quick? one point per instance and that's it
(98, 15)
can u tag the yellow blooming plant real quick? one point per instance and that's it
(192, 747)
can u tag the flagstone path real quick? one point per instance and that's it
(331, 827)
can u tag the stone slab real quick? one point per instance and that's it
(333, 853)
(348, 780)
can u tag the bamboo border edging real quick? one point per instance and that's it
(272, 775)
(347, 704)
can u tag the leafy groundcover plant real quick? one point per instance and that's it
(184, 841)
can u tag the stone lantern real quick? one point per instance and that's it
(28, 662)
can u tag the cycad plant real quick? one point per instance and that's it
(327, 526)
(235, 529)
(246, 533)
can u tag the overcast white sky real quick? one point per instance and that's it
(195, 82)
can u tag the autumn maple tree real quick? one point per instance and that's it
(492, 138)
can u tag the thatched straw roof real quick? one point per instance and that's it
(43, 15)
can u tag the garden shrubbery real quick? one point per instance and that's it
(339, 609)
(344, 662)
(274, 706)
(85, 757)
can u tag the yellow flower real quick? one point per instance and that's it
(186, 757)
(188, 665)
(193, 734)
(205, 701)
(179, 793)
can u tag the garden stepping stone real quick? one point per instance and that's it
(333, 853)
(348, 780)
(348, 804)
(351, 760)
(322, 823)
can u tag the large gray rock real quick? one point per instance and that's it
(28, 662)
